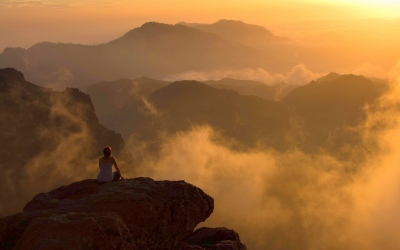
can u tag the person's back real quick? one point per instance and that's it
(106, 164)
(106, 173)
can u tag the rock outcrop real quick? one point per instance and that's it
(214, 239)
(138, 213)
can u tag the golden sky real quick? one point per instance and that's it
(25, 22)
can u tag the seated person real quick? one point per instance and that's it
(105, 164)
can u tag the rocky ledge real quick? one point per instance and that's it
(135, 214)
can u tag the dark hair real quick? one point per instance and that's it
(107, 151)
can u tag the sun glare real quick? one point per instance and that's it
(374, 2)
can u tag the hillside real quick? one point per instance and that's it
(319, 115)
(109, 97)
(329, 107)
(184, 104)
(253, 88)
(234, 115)
(45, 133)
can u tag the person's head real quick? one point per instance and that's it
(107, 151)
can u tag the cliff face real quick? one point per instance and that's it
(135, 214)
(44, 133)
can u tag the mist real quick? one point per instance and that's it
(294, 200)
(52, 140)
(298, 75)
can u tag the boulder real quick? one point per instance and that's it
(219, 238)
(77, 231)
(135, 214)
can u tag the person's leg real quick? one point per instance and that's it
(116, 176)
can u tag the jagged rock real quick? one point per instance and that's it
(214, 239)
(136, 214)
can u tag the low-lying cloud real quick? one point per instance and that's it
(294, 200)
(66, 156)
(298, 75)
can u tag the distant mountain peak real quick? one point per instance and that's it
(11, 74)
(156, 28)
(230, 21)
(236, 30)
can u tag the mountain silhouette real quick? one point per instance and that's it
(243, 118)
(247, 34)
(321, 115)
(254, 88)
(182, 105)
(329, 107)
(154, 50)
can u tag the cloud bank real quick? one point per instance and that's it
(298, 75)
(293, 200)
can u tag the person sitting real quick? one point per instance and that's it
(105, 164)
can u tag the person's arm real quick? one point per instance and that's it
(99, 164)
(117, 168)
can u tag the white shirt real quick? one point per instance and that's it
(106, 174)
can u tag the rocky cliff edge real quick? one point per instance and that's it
(135, 214)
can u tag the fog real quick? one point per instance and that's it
(64, 154)
(298, 75)
(293, 200)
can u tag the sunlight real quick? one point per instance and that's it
(385, 2)
(372, 2)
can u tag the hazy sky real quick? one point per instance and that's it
(26, 22)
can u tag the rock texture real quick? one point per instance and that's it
(138, 213)
(214, 239)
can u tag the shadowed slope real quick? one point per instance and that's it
(243, 118)
(254, 88)
(109, 97)
(329, 107)
(43, 130)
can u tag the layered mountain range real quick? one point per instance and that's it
(316, 116)
(110, 98)
(251, 35)
(154, 49)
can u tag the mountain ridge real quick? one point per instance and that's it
(155, 50)
(239, 31)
